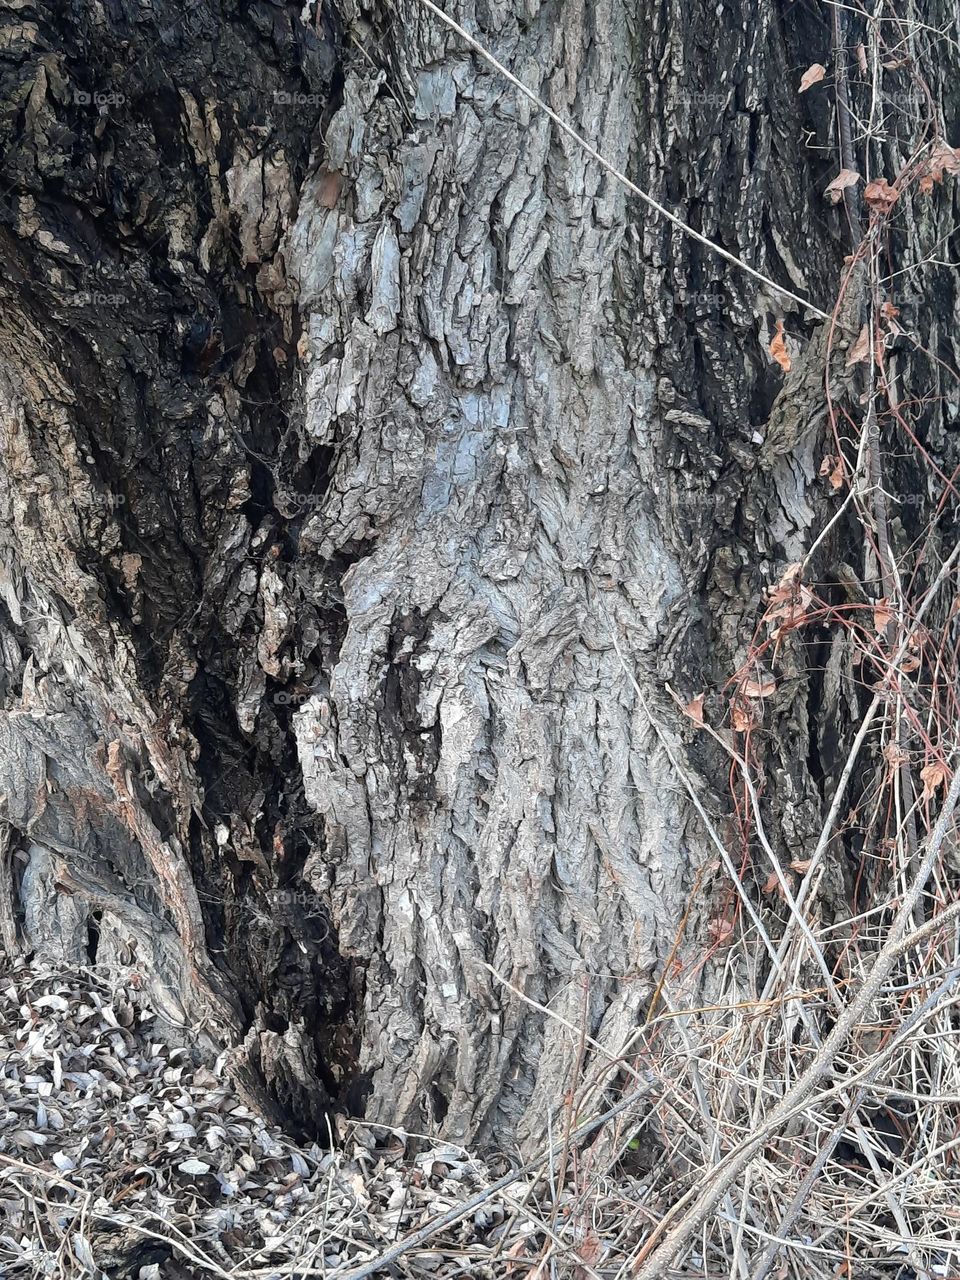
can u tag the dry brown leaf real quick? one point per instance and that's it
(592, 1249)
(759, 688)
(943, 159)
(694, 709)
(516, 1250)
(880, 195)
(933, 776)
(832, 468)
(862, 59)
(771, 883)
(860, 350)
(778, 349)
(740, 718)
(801, 865)
(813, 75)
(882, 615)
(789, 602)
(894, 754)
(720, 931)
(789, 576)
(845, 178)
(784, 593)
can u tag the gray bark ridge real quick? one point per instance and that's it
(492, 796)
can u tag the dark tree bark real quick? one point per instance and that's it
(371, 461)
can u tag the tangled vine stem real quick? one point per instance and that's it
(721, 1178)
(879, 644)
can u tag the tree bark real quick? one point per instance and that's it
(372, 462)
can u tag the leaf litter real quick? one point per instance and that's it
(123, 1156)
(115, 1143)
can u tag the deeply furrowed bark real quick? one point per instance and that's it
(349, 412)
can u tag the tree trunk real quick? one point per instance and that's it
(373, 462)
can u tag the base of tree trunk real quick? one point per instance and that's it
(370, 465)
